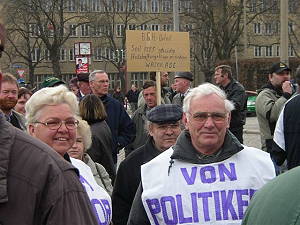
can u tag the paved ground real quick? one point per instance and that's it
(251, 133)
(251, 136)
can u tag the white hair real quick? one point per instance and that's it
(84, 130)
(204, 90)
(49, 96)
(93, 74)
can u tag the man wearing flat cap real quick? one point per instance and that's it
(164, 127)
(84, 85)
(182, 86)
(270, 101)
(208, 176)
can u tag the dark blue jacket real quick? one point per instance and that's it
(120, 124)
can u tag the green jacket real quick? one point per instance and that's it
(269, 103)
(276, 203)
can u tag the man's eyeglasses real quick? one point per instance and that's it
(56, 124)
(202, 117)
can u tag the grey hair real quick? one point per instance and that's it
(93, 74)
(84, 130)
(49, 96)
(204, 90)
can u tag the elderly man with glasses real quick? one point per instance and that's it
(208, 176)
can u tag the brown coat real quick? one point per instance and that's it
(37, 186)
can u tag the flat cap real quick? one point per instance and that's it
(52, 82)
(185, 75)
(279, 67)
(83, 77)
(167, 113)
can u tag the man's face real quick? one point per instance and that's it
(20, 106)
(84, 87)
(219, 78)
(277, 79)
(150, 96)
(164, 78)
(100, 85)
(207, 136)
(8, 96)
(181, 85)
(62, 139)
(164, 135)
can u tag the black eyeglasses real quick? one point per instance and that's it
(202, 117)
(56, 124)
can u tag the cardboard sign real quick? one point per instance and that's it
(157, 51)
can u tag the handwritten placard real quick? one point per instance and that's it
(157, 51)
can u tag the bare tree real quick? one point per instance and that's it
(218, 28)
(110, 27)
(48, 25)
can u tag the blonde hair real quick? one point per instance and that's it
(49, 96)
(84, 130)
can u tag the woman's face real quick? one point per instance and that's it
(61, 139)
(77, 150)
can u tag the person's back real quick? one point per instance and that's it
(277, 203)
(37, 185)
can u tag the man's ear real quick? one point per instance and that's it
(31, 130)
(228, 120)
(185, 120)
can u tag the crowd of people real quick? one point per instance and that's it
(185, 158)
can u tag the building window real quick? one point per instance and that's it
(73, 30)
(138, 79)
(63, 54)
(131, 27)
(269, 51)
(257, 28)
(34, 30)
(166, 6)
(291, 27)
(109, 54)
(85, 30)
(257, 51)
(293, 6)
(46, 55)
(167, 27)
(98, 54)
(155, 27)
(291, 51)
(70, 5)
(143, 5)
(188, 27)
(130, 6)
(95, 5)
(108, 5)
(83, 5)
(277, 50)
(35, 54)
(71, 54)
(154, 6)
(268, 28)
(144, 27)
(120, 6)
(120, 30)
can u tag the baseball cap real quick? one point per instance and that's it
(185, 75)
(52, 82)
(279, 67)
(166, 113)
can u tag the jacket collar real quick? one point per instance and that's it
(7, 136)
(184, 150)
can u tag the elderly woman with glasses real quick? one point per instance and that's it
(50, 114)
(78, 151)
